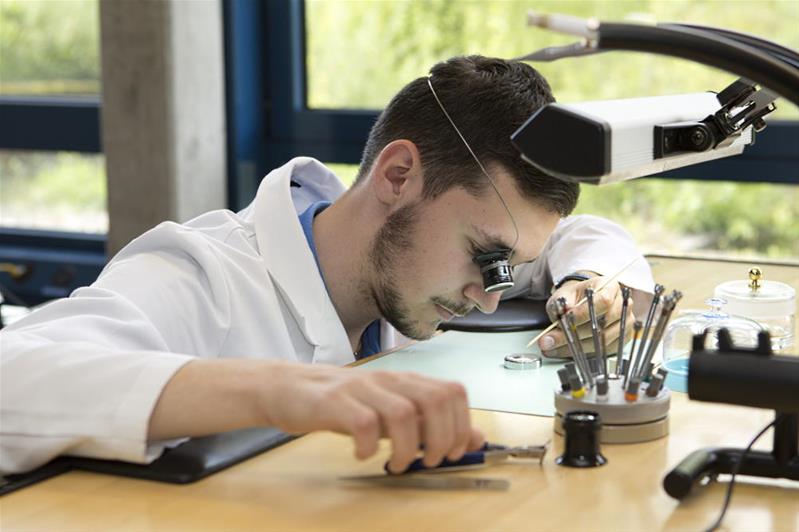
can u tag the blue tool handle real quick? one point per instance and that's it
(472, 458)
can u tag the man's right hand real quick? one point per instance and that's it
(414, 411)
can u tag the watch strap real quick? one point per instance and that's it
(575, 276)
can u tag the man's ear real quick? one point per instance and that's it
(396, 176)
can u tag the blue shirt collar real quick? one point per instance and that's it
(370, 340)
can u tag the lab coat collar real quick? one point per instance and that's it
(288, 258)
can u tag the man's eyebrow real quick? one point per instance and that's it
(491, 242)
(488, 240)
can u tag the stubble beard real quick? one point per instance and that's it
(390, 246)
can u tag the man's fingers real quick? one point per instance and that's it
(607, 303)
(461, 421)
(444, 415)
(558, 338)
(438, 425)
(359, 421)
(412, 410)
(552, 340)
(399, 419)
(561, 349)
(476, 439)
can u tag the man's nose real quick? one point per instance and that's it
(484, 301)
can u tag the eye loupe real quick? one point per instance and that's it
(496, 270)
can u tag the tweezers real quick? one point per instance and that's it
(428, 482)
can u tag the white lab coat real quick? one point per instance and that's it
(81, 375)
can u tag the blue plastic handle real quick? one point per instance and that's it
(472, 458)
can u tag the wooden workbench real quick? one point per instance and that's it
(295, 487)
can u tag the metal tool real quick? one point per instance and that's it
(582, 367)
(631, 392)
(578, 349)
(622, 371)
(523, 361)
(625, 294)
(602, 355)
(433, 482)
(563, 375)
(593, 365)
(669, 302)
(576, 387)
(636, 334)
(655, 385)
(650, 316)
(487, 455)
(589, 298)
(571, 369)
(602, 387)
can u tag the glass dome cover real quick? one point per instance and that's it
(770, 303)
(680, 333)
(772, 298)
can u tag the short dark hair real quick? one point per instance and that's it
(488, 99)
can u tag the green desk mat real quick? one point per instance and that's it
(476, 361)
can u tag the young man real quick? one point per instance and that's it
(239, 320)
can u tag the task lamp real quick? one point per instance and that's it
(615, 140)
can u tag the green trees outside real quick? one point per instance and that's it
(49, 47)
(60, 191)
(359, 52)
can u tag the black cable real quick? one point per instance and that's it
(707, 48)
(12, 297)
(736, 468)
(777, 50)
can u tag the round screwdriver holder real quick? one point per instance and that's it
(623, 421)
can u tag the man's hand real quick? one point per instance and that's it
(415, 412)
(607, 303)
(412, 410)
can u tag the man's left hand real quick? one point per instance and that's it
(607, 303)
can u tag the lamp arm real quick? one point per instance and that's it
(707, 48)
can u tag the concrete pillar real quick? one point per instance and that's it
(163, 112)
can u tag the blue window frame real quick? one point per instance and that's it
(266, 41)
(265, 44)
(50, 123)
(54, 263)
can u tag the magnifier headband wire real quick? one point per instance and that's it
(482, 168)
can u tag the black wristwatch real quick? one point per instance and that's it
(571, 277)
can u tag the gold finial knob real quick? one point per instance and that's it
(755, 276)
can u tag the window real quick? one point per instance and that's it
(333, 63)
(49, 48)
(687, 216)
(359, 53)
(709, 218)
(52, 178)
(54, 191)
